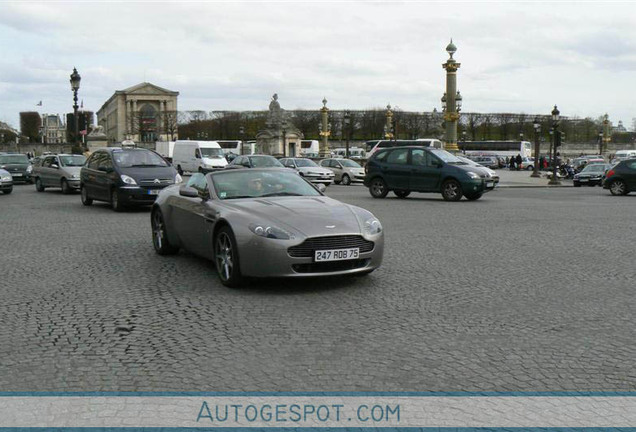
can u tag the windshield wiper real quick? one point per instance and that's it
(281, 194)
(240, 196)
(147, 165)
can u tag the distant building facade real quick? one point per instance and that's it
(143, 113)
(53, 129)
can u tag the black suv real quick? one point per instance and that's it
(18, 166)
(423, 169)
(125, 176)
(621, 179)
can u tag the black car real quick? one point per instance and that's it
(255, 161)
(591, 175)
(18, 166)
(423, 169)
(621, 179)
(125, 176)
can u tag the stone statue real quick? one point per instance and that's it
(274, 105)
(97, 130)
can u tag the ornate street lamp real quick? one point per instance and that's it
(75, 85)
(325, 129)
(537, 133)
(284, 132)
(557, 142)
(388, 129)
(451, 114)
(347, 122)
(242, 136)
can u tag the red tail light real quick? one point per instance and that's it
(610, 173)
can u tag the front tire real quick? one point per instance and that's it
(618, 187)
(115, 201)
(577, 184)
(378, 188)
(401, 193)
(451, 190)
(84, 194)
(66, 189)
(346, 180)
(38, 185)
(8, 191)
(226, 258)
(160, 236)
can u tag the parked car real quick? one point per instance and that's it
(591, 175)
(345, 171)
(197, 156)
(6, 182)
(416, 169)
(527, 163)
(59, 171)
(255, 161)
(265, 222)
(310, 170)
(490, 173)
(487, 161)
(125, 177)
(18, 166)
(621, 179)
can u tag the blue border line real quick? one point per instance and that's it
(320, 393)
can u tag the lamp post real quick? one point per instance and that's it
(284, 138)
(451, 116)
(347, 121)
(554, 181)
(75, 85)
(325, 129)
(242, 136)
(537, 133)
(600, 143)
(607, 134)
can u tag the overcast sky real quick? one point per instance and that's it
(515, 57)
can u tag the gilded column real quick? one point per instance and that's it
(388, 128)
(451, 116)
(325, 130)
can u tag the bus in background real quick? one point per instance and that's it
(375, 145)
(234, 147)
(500, 148)
(354, 153)
(309, 148)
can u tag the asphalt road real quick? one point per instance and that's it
(523, 290)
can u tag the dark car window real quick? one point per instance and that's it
(72, 161)
(419, 157)
(48, 161)
(94, 161)
(265, 162)
(138, 158)
(398, 156)
(631, 165)
(381, 156)
(14, 159)
(106, 162)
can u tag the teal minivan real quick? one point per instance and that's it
(423, 169)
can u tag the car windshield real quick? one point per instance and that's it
(138, 158)
(594, 168)
(14, 159)
(466, 161)
(265, 162)
(238, 184)
(305, 163)
(72, 161)
(447, 157)
(211, 152)
(349, 163)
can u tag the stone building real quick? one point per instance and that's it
(53, 129)
(144, 113)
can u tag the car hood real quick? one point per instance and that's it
(14, 167)
(216, 161)
(72, 170)
(308, 215)
(139, 173)
(464, 169)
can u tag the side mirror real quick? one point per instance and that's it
(246, 164)
(54, 166)
(437, 164)
(105, 169)
(321, 187)
(188, 191)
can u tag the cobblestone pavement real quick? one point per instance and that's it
(525, 289)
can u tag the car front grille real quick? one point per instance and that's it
(308, 248)
(330, 266)
(151, 182)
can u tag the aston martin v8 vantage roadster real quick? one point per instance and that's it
(266, 222)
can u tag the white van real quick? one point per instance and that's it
(197, 156)
(625, 154)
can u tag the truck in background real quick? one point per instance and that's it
(165, 149)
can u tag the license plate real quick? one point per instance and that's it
(154, 191)
(16, 174)
(489, 184)
(583, 180)
(337, 254)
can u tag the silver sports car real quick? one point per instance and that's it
(266, 222)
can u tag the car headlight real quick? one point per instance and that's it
(74, 176)
(178, 178)
(270, 231)
(128, 180)
(29, 168)
(372, 226)
(6, 178)
(472, 175)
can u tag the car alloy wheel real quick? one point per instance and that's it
(65, 187)
(451, 190)
(378, 188)
(226, 258)
(38, 185)
(618, 187)
(159, 235)
(346, 180)
(115, 202)
(85, 199)
(7, 191)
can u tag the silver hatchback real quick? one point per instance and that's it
(346, 171)
(59, 171)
